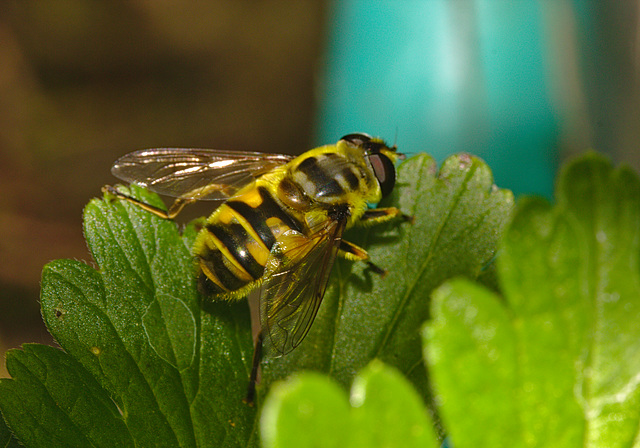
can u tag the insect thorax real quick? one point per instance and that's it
(325, 178)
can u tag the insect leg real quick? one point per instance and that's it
(173, 211)
(352, 252)
(255, 365)
(384, 214)
(370, 217)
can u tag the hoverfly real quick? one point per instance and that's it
(280, 226)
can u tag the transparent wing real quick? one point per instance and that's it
(206, 174)
(296, 277)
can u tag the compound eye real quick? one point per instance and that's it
(385, 172)
(357, 139)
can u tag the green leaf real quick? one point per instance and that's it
(458, 217)
(306, 411)
(53, 402)
(177, 368)
(171, 329)
(143, 294)
(7, 439)
(557, 361)
(387, 409)
(309, 410)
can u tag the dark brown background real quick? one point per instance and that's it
(82, 83)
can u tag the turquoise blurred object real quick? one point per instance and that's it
(445, 77)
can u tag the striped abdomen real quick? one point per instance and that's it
(233, 247)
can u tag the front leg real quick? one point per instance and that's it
(370, 217)
(379, 215)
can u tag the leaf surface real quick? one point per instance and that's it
(383, 410)
(557, 361)
(176, 367)
(458, 215)
(176, 372)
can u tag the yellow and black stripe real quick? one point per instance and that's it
(324, 184)
(327, 175)
(300, 206)
(233, 247)
(237, 239)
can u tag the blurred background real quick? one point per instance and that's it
(522, 84)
